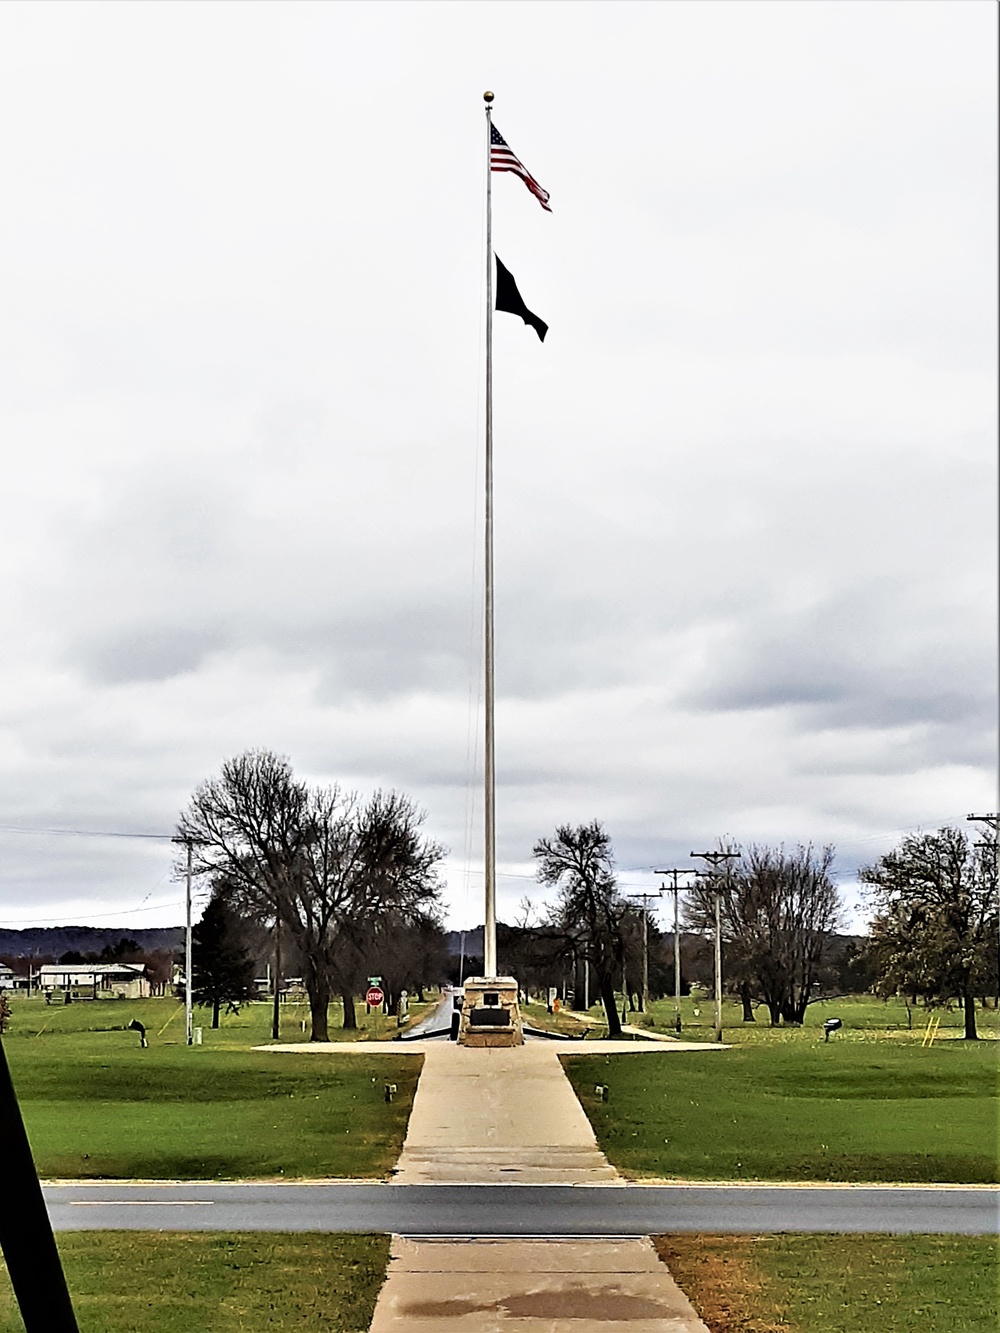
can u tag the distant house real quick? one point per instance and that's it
(7, 979)
(104, 981)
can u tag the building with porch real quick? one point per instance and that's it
(98, 981)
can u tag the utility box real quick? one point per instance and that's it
(491, 1015)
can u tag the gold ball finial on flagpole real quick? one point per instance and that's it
(487, 97)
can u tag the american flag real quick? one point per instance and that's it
(502, 159)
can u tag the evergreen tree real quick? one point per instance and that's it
(223, 970)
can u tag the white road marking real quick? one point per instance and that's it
(141, 1203)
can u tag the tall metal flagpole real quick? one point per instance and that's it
(490, 847)
(188, 978)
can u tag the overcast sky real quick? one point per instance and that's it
(746, 534)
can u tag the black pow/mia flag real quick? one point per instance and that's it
(509, 299)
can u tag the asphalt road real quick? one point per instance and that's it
(521, 1210)
(436, 1018)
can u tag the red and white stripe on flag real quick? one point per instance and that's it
(502, 159)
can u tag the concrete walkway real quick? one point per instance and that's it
(509, 1116)
(501, 1116)
(530, 1286)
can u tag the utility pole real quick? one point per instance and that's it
(188, 844)
(992, 820)
(715, 859)
(677, 943)
(647, 898)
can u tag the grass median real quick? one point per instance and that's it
(849, 1112)
(228, 1282)
(98, 1106)
(838, 1284)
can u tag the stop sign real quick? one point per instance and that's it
(374, 996)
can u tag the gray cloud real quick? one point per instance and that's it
(153, 653)
(858, 659)
(745, 491)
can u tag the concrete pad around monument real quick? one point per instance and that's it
(488, 1116)
(534, 1286)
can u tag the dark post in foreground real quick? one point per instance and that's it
(29, 1246)
(276, 1009)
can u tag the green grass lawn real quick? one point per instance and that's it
(216, 1282)
(164, 1021)
(871, 1110)
(863, 1017)
(537, 1016)
(838, 1284)
(96, 1105)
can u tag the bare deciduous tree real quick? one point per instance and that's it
(328, 866)
(779, 910)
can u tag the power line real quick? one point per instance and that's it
(93, 916)
(86, 832)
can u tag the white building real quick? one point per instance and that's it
(104, 980)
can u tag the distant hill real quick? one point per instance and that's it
(473, 947)
(56, 940)
(473, 942)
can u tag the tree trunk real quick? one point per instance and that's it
(215, 1012)
(747, 1001)
(775, 1013)
(969, 1010)
(350, 1017)
(319, 1004)
(420, 992)
(610, 1007)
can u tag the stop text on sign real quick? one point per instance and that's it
(374, 997)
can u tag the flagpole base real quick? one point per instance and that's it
(491, 1015)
